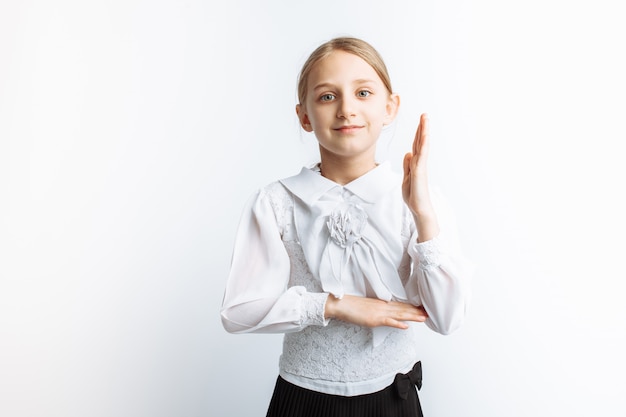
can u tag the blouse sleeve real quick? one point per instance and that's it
(440, 277)
(257, 297)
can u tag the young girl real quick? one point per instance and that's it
(346, 257)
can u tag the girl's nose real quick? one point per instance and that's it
(346, 109)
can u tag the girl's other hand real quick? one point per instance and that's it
(415, 184)
(371, 312)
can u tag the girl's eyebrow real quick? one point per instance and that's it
(323, 85)
(330, 85)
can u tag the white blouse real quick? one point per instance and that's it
(305, 237)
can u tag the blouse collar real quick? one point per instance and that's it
(310, 186)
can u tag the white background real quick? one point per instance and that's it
(133, 132)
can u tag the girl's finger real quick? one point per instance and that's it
(424, 137)
(395, 323)
(407, 163)
(418, 133)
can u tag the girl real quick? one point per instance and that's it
(346, 257)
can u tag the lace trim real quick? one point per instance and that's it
(429, 254)
(282, 204)
(312, 309)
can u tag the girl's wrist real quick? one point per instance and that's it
(330, 307)
(427, 226)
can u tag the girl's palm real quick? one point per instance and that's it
(415, 182)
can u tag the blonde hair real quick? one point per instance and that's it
(354, 46)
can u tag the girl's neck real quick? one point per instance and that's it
(343, 171)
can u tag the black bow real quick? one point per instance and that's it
(404, 382)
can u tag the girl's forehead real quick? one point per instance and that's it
(342, 65)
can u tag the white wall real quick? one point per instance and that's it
(132, 133)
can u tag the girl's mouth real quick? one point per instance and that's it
(348, 129)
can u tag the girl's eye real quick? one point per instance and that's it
(364, 93)
(327, 97)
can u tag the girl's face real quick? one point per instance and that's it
(346, 106)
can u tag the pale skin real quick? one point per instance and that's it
(346, 107)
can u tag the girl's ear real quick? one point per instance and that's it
(304, 118)
(391, 109)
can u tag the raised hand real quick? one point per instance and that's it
(371, 312)
(415, 184)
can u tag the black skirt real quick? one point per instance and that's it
(399, 399)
